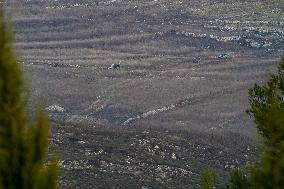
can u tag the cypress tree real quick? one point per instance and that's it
(23, 141)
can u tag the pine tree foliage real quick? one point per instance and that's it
(23, 142)
(238, 180)
(267, 109)
(266, 99)
(208, 179)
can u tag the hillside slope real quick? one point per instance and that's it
(185, 70)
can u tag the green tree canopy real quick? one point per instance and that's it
(23, 142)
(267, 109)
(208, 179)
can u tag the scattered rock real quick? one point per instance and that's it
(54, 64)
(223, 56)
(174, 156)
(55, 108)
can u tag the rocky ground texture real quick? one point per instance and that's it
(176, 104)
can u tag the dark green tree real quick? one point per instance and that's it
(267, 109)
(238, 180)
(23, 141)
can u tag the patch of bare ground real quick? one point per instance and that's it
(119, 157)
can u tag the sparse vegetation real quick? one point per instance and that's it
(160, 118)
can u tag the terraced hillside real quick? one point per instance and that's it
(185, 70)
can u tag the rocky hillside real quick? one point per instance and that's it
(176, 104)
